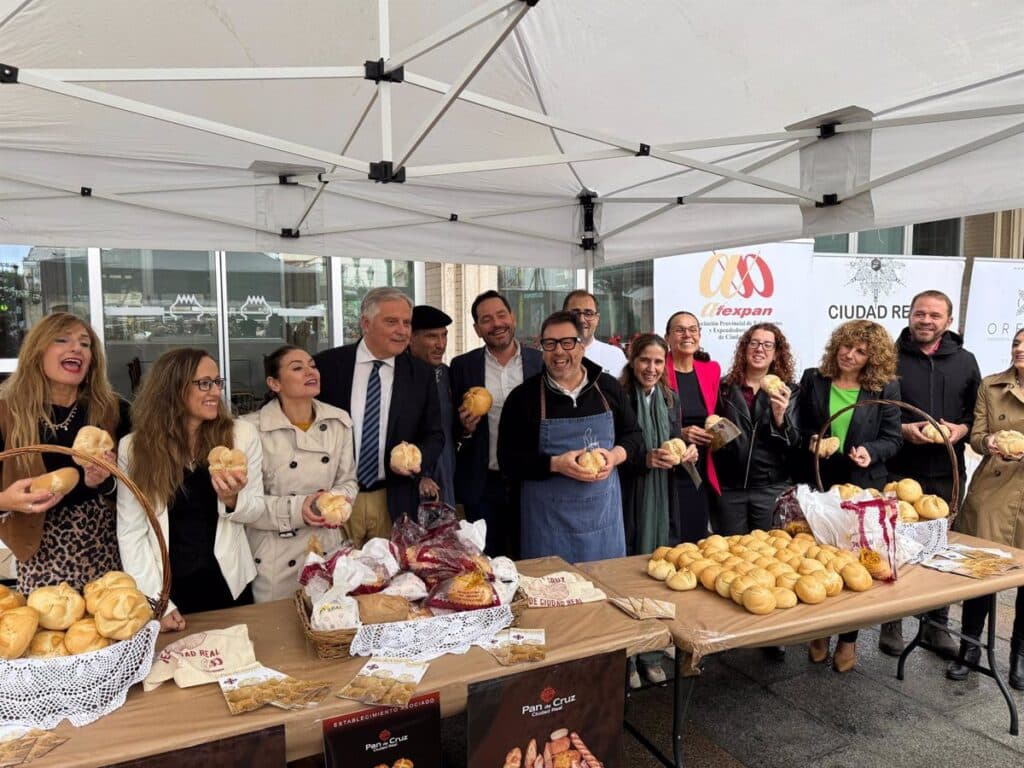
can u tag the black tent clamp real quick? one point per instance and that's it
(8, 74)
(586, 198)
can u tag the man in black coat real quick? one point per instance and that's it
(392, 398)
(941, 378)
(500, 366)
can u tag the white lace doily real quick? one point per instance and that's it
(42, 692)
(426, 639)
(929, 534)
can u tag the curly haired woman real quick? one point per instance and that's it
(859, 364)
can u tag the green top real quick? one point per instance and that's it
(837, 400)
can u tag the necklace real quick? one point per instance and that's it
(63, 426)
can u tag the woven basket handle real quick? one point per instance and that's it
(160, 605)
(954, 501)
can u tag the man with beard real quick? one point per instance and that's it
(499, 366)
(941, 378)
(429, 342)
(563, 433)
(392, 398)
(584, 305)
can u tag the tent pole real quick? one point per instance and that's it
(534, 161)
(710, 200)
(383, 86)
(14, 12)
(182, 74)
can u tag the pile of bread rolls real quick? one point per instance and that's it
(761, 571)
(914, 503)
(58, 621)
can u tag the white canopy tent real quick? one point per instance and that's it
(558, 133)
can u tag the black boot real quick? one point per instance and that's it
(1017, 664)
(957, 670)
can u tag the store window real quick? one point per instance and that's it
(37, 280)
(273, 299)
(832, 244)
(358, 276)
(625, 294)
(937, 238)
(534, 294)
(154, 301)
(881, 241)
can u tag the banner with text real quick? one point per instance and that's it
(732, 289)
(880, 288)
(995, 311)
(386, 737)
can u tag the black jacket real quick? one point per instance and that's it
(945, 386)
(875, 427)
(413, 416)
(760, 455)
(519, 429)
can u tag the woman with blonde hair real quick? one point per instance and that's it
(859, 364)
(178, 417)
(59, 386)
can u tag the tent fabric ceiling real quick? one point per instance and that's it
(695, 125)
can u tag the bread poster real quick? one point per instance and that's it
(564, 716)
(386, 736)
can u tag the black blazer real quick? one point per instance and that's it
(467, 370)
(413, 416)
(876, 428)
(760, 455)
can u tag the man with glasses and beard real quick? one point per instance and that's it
(584, 305)
(499, 366)
(563, 432)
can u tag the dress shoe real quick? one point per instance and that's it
(817, 650)
(1017, 665)
(845, 657)
(943, 643)
(890, 639)
(957, 670)
(654, 673)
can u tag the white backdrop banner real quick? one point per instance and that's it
(879, 288)
(732, 289)
(995, 311)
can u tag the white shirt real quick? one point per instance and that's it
(499, 380)
(360, 379)
(608, 356)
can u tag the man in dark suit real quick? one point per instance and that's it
(500, 366)
(392, 398)
(429, 343)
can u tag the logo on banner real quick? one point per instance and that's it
(875, 277)
(551, 702)
(385, 741)
(736, 274)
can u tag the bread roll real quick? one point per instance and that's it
(406, 457)
(784, 598)
(699, 565)
(83, 637)
(46, 644)
(935, 435)
(907, 512)
(931, 508)
(677, 448)
(738, 586)
(771, 383)
(682, 580)
(724, 582)
(711, 420)
(759, 600)
(382, 609)
(58, 482)
(787, 580)
(10, 599)
(762, 577)
(224, 459)
(810, 590)
(909, 490)
(1010, 442)
(58, 607)
(477, 401)
(827, 446)
(660, 569)
(592, 461)
(832, 581)
(856, 577)
(713, 542)
(110, 580)
(334, 508)
(719, 556)
(92, 441)
(797, 526)
(807, 565)
(875, 564)
(17, 626)
(121, 613)
(846, 490)
(661, 553)
(708, 575)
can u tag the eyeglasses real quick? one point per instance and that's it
(205, 385)
(686, 330)
(767, 346)
(587, 313)
(568, 343)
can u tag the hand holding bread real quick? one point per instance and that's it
(229, 472)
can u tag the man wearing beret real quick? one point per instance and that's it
(429, 342)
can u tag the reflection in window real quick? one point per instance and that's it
(937, 238)
(273, 299)
(881, 241)
(35, 281)
(154, 301)
(832, 244)
(534, 294)
(358, 276)
(626, 297)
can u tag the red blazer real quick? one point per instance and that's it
(709, 376)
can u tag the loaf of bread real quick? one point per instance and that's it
(17, 627)
(406, 457)
(110, 580)
(771, 383)
(676, 447)
(382, 609)
(477, 401)
(82, 637)
(592, 461)
(46, 644)
(120, 613)
(58, 607)
(10, 599)
(334, 508)
(92, 441)
(224, 459)
(58, 482)
(1010, 442)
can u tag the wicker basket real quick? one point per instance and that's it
(954, 500)
(335, 643)
(84, 687)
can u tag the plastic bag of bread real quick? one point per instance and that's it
(335, 610)
(464, 592)
(874, 535)
(407, 585)
(722, 431)
(382, 609)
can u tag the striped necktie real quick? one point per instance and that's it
(369, 445)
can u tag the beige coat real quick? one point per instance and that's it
(295, 465)
(994, 508)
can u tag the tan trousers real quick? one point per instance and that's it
(370, 518)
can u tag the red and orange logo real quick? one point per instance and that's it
(736, 274)
(548, 695)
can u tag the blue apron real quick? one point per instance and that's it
(564, 517)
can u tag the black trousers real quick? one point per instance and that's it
(499, 507)
(742, 510)
(976, 611)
